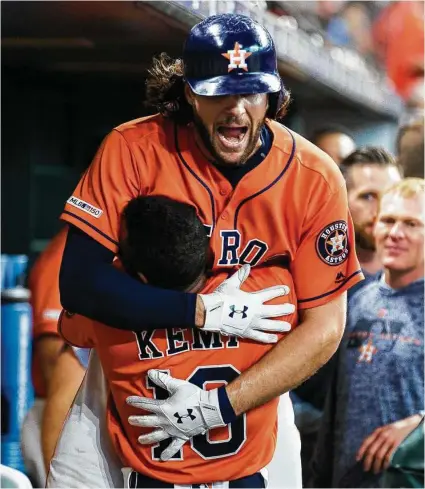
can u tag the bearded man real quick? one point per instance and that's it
(368, 171)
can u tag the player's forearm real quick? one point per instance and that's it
(46, 352)
(289, 363)
(91, 286)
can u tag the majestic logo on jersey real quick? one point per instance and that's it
(238, 311)
(332, 243)
(237, 57)
(340, 277)
(188, 415)
(84, 206)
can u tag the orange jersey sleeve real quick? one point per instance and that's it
(325, 264)
(76, 330)
(109, 183)
(43, 283)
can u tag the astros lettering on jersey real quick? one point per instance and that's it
(292, 207)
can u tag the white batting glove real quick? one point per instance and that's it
(188, 412)
(233, 312)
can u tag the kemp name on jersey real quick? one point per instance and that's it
(181, 340)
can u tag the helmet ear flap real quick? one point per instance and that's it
(276, 100)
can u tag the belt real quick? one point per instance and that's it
(254, 481)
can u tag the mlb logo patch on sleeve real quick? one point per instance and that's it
(85, 206)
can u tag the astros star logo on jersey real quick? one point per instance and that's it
(332, 243)
(366, 352)
(337, 242)
(237, 57)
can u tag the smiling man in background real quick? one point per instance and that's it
(378, 396)
(368, 171)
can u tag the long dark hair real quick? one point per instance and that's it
(165, 92)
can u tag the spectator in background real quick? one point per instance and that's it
(368, 171)
(351, 27)
(378, 395)
(410, 148)
(43, 283)
(399, 42)
(325, 10)
(334, 140)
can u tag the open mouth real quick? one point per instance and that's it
(232, 136)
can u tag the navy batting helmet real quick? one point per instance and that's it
(230, 54)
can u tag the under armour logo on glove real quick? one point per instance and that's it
(240, 311)
(250, 316)
(188, 415)
(202, 408)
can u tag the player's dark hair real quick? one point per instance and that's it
(371, 155)
(329, 129)
(411, 159)
(164, 240)
(165, 91)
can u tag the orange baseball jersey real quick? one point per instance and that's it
(44, 285)
(294, 204)
(203, 358)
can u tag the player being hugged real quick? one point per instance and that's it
(161, 235)
(262, 192)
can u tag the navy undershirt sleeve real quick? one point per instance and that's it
(91, 286)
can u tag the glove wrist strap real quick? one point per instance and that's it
(213, 311)
(227, 412)
(210, 409)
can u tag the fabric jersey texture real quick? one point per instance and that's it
(380, 373)
(206, 359)
(314, 389)
(297, 195)
(288, 213)
(45, 300)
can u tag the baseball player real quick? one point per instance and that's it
(44, 285)
(126, 357)
(261, 191)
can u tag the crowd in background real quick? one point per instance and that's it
(385, 317)
(375, 35)
(384, 332)
(360, 406)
